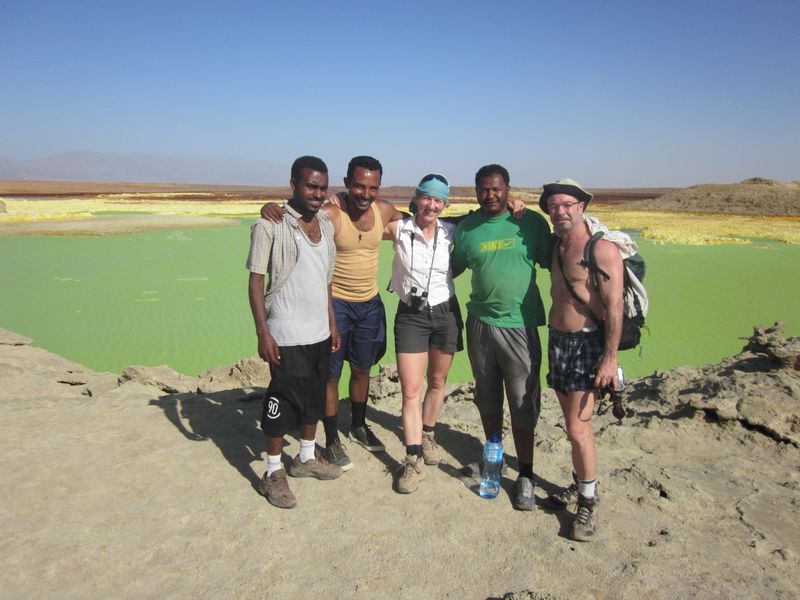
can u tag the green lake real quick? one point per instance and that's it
(180, 298)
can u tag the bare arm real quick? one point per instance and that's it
(272, 211)
(609, 260)
(268, 349)
(517, 208)
(389, 214)
(335, 340)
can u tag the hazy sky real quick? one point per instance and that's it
(608, 93)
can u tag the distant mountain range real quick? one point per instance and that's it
(98, 166)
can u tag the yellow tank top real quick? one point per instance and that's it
(356, 259)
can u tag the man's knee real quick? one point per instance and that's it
(579, 430)
(359, 374)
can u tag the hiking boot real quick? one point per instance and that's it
(585, 523)
(430, 449)
(276, 489)
(413, 471)
(335, 455)
(316, 467)
(363, 436)
(523, 494)
(567, 499)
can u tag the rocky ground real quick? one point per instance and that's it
(755, 196)
(140, 485)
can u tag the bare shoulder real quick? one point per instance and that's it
(388, 212)
(392, 230)
(606, 249)
(607, 255)
(333, 212)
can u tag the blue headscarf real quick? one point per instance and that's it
(433, 185)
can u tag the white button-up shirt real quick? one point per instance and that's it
(409, 238)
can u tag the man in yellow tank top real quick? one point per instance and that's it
(359, 220)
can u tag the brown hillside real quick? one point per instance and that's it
(756, 196)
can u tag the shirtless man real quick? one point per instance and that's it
(359, 220)
(583, 357)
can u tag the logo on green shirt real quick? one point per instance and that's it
(497, 245)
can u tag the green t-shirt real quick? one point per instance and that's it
(502, 251)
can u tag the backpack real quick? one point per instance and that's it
(635, 302)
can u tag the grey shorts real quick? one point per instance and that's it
(506, 357)
(440, 327)
(572, 358)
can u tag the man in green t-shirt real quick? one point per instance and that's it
(504, 309)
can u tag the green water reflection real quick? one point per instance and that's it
(180, 298)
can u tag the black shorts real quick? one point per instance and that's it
(296, 394)
(440, 327)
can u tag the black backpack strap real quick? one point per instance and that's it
(589, 260)
(574, 294)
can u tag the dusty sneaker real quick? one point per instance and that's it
(585, 523)
(523, 494)
(335, 455)
(363, 436)
(412, 471)
(567, 499)
(276, 489)
(430, 449)
(316, 467)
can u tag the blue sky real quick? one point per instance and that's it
(608, 93)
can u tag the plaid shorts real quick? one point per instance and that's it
(573, 358)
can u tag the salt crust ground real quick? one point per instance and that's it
(136, 492)
(111, 225)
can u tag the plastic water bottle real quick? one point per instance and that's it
(492, 460)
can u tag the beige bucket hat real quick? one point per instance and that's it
(564, 186)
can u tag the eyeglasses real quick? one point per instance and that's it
(435, 176)
(556, 207)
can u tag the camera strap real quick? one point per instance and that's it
(435, 241)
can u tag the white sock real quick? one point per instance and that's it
(306, 450)
(273, 464)
(587, 489)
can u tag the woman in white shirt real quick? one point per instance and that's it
(428, 323)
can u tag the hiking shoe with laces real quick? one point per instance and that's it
(275, 488)
(335, 455)
(430, 449)
(585, 523)
(412, 471)
(363, 436)
(567, 499)
(316, 467)
(523, 494)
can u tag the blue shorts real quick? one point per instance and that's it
(573, 358)
(362, 331)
